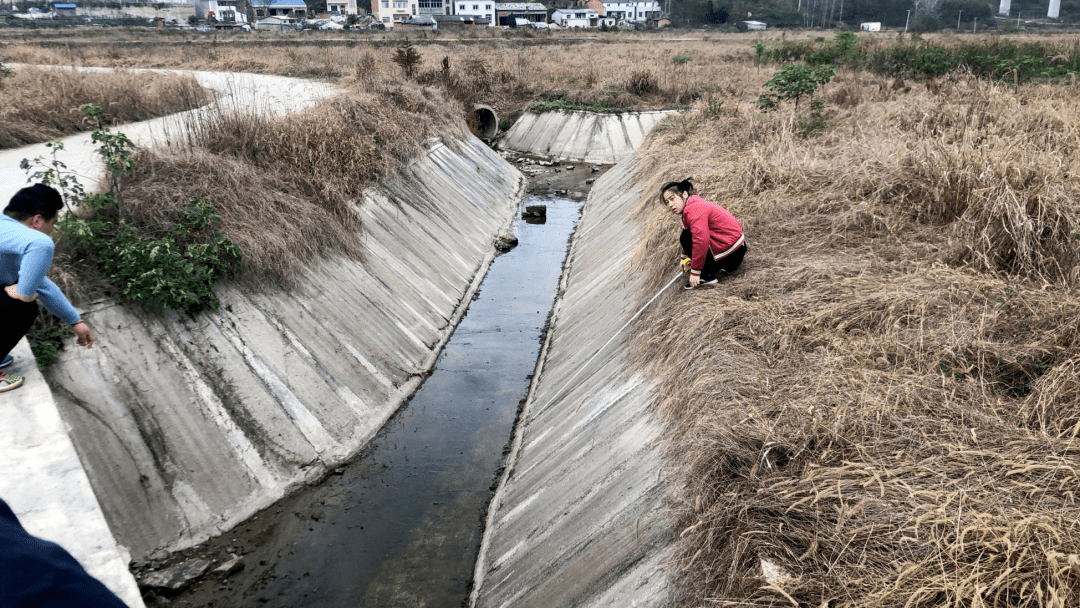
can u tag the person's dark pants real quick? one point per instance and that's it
(712, 268)
(36, 573)
(17, 317)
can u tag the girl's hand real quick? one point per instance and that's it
(695, 280)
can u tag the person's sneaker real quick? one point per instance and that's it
(703, 283)
(6, 361)
(9, 382)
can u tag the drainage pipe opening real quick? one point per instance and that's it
(487, 122)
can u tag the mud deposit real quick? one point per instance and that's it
(400, 525)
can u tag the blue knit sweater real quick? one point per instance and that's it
(25, 256)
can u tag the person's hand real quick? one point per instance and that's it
(13, 291)
(695, 280)
(84, 337)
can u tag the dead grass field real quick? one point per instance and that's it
(507, 70)
(884, 402)
(39, 104)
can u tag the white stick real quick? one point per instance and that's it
(636, 315)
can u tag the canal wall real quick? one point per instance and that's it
(186, 426)
(578, 519)
(584, 136)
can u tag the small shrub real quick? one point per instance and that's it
(642, 82)
(794, 82)
(681, 59)
(407, 57)
(176, 270)
(46, 339)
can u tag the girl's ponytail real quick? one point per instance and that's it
(683, 187)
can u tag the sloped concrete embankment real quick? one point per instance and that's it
(188, 426)
(578, 518)
(585, 136)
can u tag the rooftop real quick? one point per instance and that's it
(520, 6)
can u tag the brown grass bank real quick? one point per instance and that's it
(286, 188)
(39, 104)
(883, 402)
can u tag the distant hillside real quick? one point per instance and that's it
(891, 13)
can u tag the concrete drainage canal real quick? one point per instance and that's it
(400, 525)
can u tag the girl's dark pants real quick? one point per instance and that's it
(17, 317)
(712, 267)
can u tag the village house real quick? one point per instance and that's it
(391, 12)
(527, 12)
(575, 17)
(293, 9)
(477, 9)
(342, 7)
(636, 11)
(221, 10)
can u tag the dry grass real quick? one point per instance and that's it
(287, 188)
(505, 69)
(39, 104)
(883, 402)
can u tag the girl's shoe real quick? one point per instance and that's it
(9, 382)
(6, 361)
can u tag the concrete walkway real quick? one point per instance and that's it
(46, 486)
(43, 479)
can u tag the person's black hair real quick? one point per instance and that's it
(683, 187)
(38, 199)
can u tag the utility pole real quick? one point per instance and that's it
(975, 25)
(908, 20)
(958, 20)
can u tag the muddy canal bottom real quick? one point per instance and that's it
(400, 525)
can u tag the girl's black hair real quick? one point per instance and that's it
(683, 187)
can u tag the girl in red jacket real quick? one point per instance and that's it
(712, 238)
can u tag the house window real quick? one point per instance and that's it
(386, 3)
(430, 3)
(461, 7)
(487, 7)
(476, 7)
(386, 20)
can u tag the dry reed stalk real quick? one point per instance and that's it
(39, 104)
(882, 401)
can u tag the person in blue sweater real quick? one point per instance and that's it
(26, 252)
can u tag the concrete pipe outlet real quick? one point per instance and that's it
(487, 122)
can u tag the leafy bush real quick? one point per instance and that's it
(46, 339)
(794, 82)
(177, 269)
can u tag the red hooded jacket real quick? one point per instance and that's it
(714, 229)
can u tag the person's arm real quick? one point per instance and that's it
(33, 284)
(58, 304)
(698, 222)
(35, 263)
